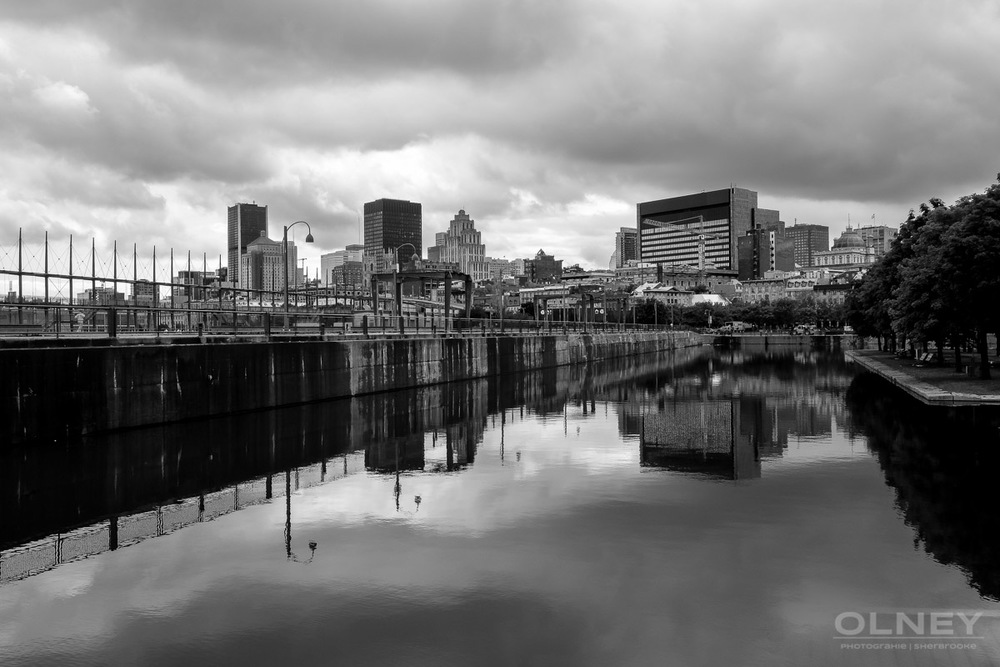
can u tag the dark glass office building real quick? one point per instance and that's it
(700, 227)
(247, 222)
(394, 225)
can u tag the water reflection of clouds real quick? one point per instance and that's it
(708, 570)
(572, 553)
(555, 471)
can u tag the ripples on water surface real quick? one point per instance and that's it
(697, 508)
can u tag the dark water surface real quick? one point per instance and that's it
(700, 508)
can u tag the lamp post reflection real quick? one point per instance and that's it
(289, 554)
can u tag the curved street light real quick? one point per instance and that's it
(396, 253)
(284, 253)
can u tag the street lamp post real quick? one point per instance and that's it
(396, 253)
(397, 266)
(284, 255)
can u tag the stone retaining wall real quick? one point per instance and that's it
(55, 393)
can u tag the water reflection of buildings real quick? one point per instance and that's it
(942, 465)
(66, 501)
(720, 416)
(705, 437)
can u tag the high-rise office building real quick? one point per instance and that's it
(878, 237)
(461, 244)
(262, 266)
(699, 230)
(626, 246)
(764, 249)
(247, 222)
(393, 225)
(331, 260)
(808, 240)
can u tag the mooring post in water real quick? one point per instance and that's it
(266, 320)
(364, 325)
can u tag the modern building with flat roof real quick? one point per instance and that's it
(808, 240)
(626, 246)
(247, 223)
(331, 260)
(699, 230)
(396, 226)
(879, 237)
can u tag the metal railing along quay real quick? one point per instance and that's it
(86, 321)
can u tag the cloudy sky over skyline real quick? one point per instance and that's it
(142, 121)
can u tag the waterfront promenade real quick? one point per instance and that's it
(928, 382)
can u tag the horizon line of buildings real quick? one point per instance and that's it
(718, 236)
(393, 237)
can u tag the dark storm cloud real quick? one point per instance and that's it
(845, 101)
(152, 135)
(262, 43)
(516, 111)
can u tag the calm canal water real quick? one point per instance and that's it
(700, 508)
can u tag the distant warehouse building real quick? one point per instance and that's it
(700, 230)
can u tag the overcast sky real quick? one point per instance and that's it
(547, 121)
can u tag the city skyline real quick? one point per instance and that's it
(568, 117)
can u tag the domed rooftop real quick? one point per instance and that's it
(851, 238)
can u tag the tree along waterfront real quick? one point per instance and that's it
(939, 282)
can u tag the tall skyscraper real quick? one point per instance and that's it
(247, 223)
(462, 244)
(393, 225)
(626, 246)
(699, 229)
(808, 240)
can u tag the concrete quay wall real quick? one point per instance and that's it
(759, 342)
(62, 392)
(924, 391)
